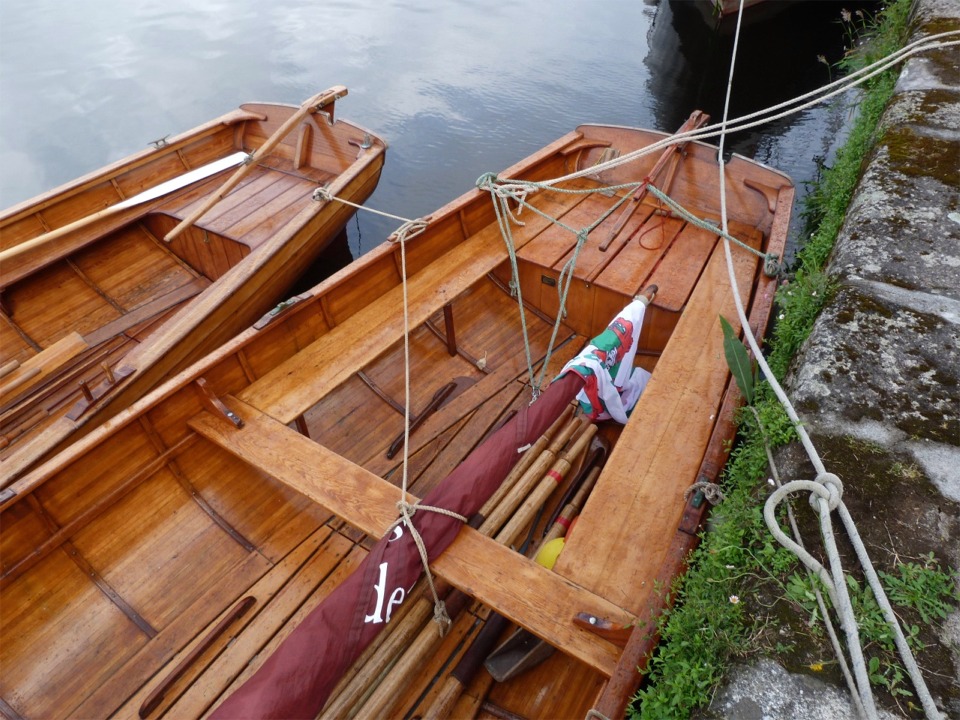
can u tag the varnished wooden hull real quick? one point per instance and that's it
(154, 565)
(115, 307)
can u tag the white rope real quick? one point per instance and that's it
(825, 496)
(771, 114)
(409, 229)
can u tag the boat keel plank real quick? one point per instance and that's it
(528, 594)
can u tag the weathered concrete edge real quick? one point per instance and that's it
(881, 365)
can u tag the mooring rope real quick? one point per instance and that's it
(412, 228)
(826, 493)
(771, 114)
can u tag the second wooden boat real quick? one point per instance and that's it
(183, 559)
(115, 281)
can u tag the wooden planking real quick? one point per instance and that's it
(273, 214)
(57, 300)
(518, 588)
(260, 183)
(326, 363)
(633, 511)
(681, 265)
(268, 513)
(62, 623)
(41, 366)
(628, 271)
(308, 588)
(143, 555)
(132, 269)
(144, 663)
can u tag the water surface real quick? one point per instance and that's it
(457, 89)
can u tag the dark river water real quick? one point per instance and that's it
(457, 89)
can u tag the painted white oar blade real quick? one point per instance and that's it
(181, 181)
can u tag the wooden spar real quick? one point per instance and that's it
(521, 486)
(381, 701)
(153, 193)
(696, 119)
(560, 525)
(311, 105)
(529, 457)
(549, 482)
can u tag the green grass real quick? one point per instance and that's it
(708, 624)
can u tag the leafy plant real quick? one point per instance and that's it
(743, 370)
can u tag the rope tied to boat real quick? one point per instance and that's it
(711, 491)
(407, 511)
(771, 260)
(410, 229)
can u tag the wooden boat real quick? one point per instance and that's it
(159, 565)
(97, 307)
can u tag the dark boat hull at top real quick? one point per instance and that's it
(117, 280)
(182, 557)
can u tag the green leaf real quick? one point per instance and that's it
(737, 360)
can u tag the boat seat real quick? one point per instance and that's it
(518, 588)
(300, 382)
(659, 450)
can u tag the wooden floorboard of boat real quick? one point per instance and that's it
(264, 632)
(624, 530)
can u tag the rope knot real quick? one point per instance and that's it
(834, 489)
(772, 267)
(322, 194)
(410, 229)
(441, 617)
(407, 511)
(711, 491)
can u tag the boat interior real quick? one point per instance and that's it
(153, 566)
(70, 312)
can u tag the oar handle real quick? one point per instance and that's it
(23, 247)
(311, 105)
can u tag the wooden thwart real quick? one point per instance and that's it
(528, 594)
(331, 359)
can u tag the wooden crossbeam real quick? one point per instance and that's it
(516, 587)
(297, 384)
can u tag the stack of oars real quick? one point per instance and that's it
(374, 683)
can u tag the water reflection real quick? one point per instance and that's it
(457, 89)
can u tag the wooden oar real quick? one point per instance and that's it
(153, 193)
(696, 119)
(312, 105)
(549, 482)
